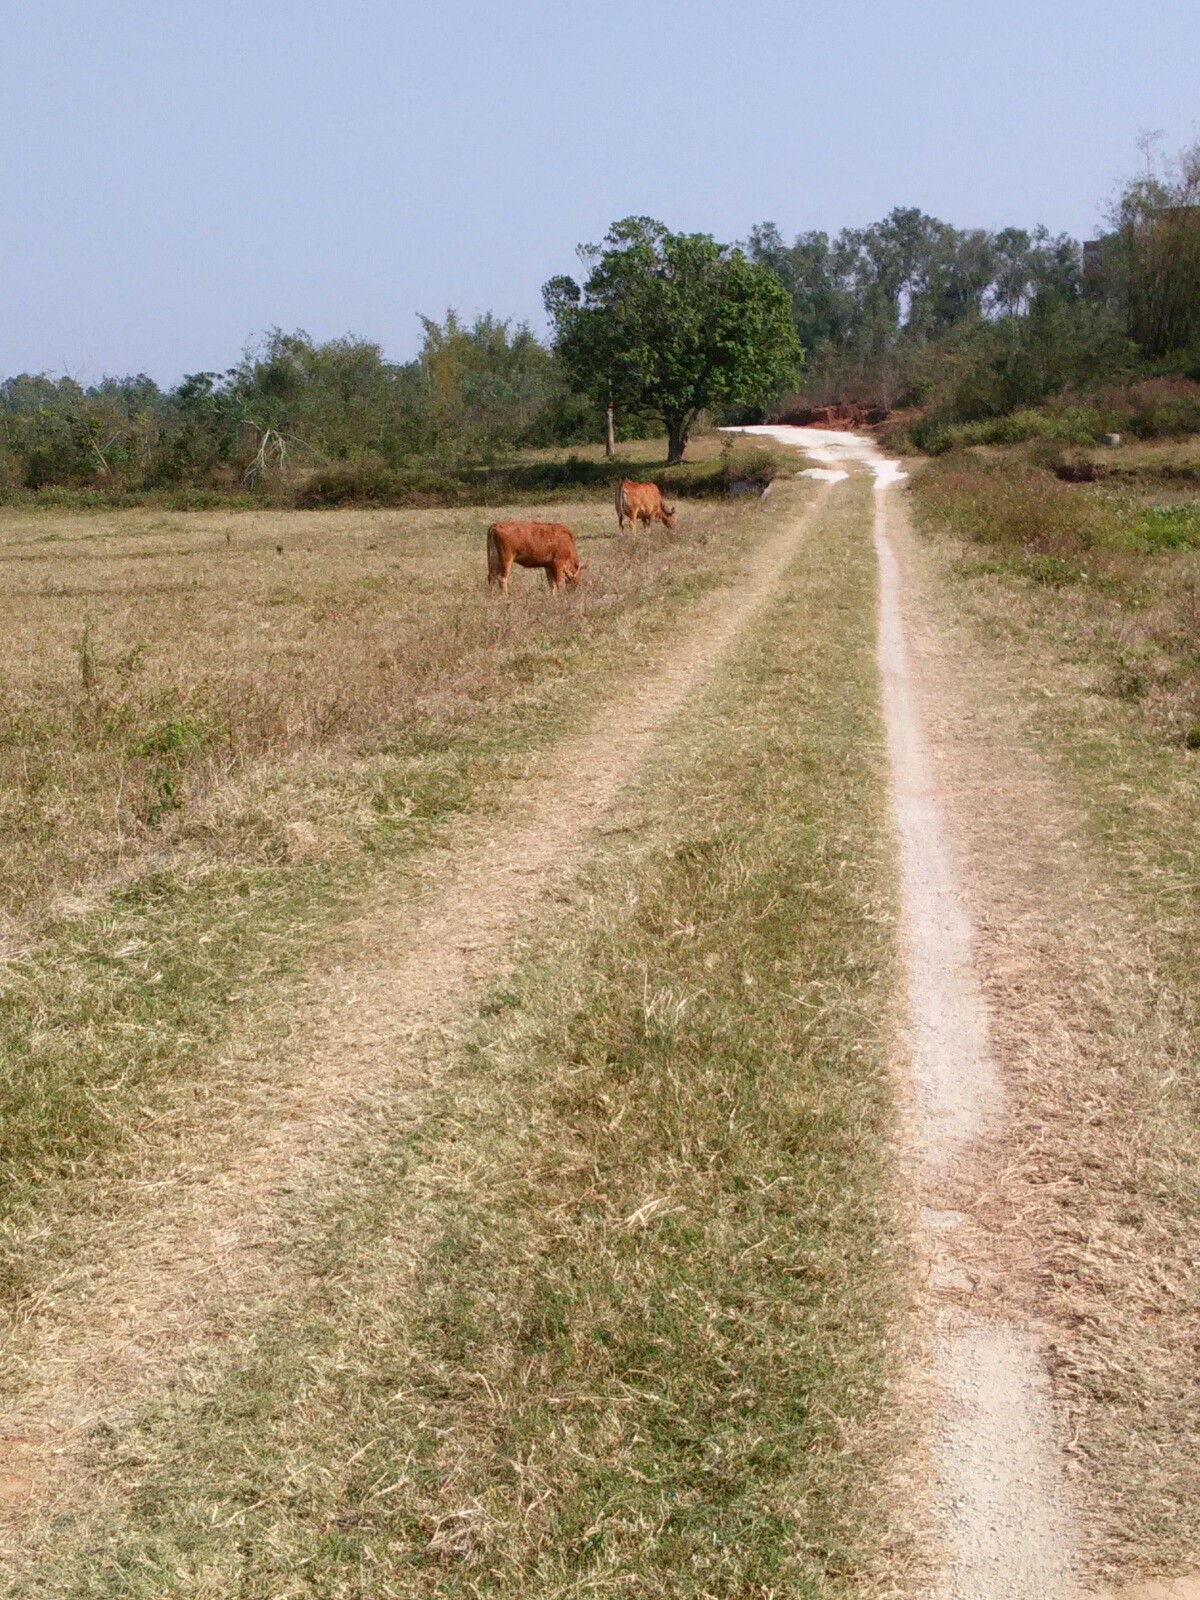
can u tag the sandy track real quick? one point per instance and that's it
(999, 1496)
(200, 1255)
(995, 1444)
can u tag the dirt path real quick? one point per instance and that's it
(999, 1496)
(201, 1254)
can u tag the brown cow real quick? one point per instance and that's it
(548, 545)
(642, 502)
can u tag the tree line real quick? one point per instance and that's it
(974, 323)
(661, 329)
(292, 403)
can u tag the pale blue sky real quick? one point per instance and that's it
(178, 176)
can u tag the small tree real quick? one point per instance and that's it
(672, 324)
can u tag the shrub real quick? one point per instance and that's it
(1069, 425)
(370, 482)
(1159, 408)
(755, 464)
(373, 482)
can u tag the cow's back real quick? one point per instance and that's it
(535, 543)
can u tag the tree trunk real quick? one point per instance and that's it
(610, 437)
(676, 440)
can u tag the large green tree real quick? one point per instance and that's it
(672, 324)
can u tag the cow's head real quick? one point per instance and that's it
(668, 515)
(574, 576)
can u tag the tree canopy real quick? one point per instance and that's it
(672, 324)
(1149, 266)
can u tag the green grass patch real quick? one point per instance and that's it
(1164, 528)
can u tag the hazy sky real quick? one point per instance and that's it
(179, 176)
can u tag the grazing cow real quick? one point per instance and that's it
(548, 545)
(642, 502)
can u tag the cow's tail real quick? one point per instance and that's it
(622, 506)
(493, 553)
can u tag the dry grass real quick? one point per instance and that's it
(1152, 461)
(316, 714)
(616, 1309)
(1113, 569)
(161, 671)
(1081, 820)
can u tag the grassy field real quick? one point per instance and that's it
(620, 1308)
(162, 673)
(1074, 607)
(1113, 565)
(213, 731)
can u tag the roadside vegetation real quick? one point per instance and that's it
(621, 1303)
(1076, 601)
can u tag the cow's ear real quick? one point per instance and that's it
(585, 563)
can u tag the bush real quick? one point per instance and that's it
(1070, 425)
(749, 463)
(372, 482)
